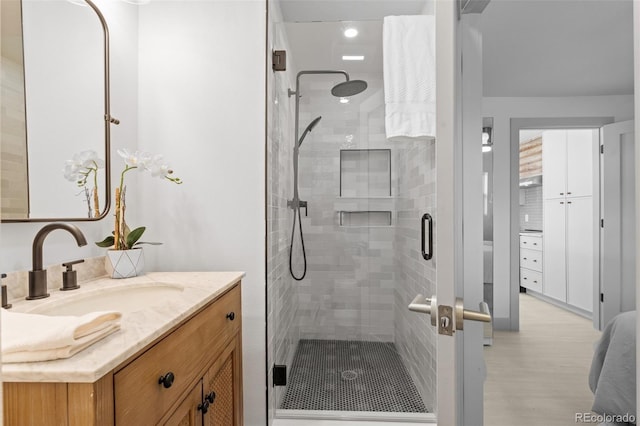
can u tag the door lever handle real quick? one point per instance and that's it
(425, 305)
(467, 314)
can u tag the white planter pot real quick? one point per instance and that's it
(124, 263)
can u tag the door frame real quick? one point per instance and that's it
(516, 125)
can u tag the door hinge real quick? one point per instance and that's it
(279, 375)
(601, 149)
(601, 223)
(279, 60)
(601, 297)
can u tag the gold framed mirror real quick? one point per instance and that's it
(55, 137)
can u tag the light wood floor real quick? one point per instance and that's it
(539, 375)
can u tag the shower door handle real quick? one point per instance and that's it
(426, 218)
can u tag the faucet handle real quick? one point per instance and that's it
(69, 265)
(70, 277)
(5, 303)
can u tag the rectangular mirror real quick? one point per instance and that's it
(54, 111)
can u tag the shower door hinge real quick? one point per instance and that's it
(279, 60)
(279, 375)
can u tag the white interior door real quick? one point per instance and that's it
(617, 235)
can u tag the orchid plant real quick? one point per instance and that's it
(123, 238)
(80, 170)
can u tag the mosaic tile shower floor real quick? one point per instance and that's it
(350, 376)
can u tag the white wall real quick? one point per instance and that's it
(17, 238)
(502, 110)
(201, 104)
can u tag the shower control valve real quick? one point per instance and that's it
(303, 204)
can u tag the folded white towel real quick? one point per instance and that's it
(409, 64)
(32, 337)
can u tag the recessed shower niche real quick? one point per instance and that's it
(365, 173)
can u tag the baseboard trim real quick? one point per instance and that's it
(559, 304)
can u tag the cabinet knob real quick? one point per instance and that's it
(524, 258)
(535, 260)
(568, 193)
(167, 380)
(562, 193)
(211, 397)
(525, 278)
(231, 316)
(204, 407)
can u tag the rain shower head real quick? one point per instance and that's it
(349, 88)
(309, 129)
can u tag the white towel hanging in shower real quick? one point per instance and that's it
(409, 77)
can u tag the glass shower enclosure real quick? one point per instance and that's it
(341, 341)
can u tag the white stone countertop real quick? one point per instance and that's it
(138, 328)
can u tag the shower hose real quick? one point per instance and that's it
(296, 211)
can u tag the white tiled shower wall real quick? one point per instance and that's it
(348, 293)
(414, 336)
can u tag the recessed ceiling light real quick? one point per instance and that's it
(350, 32)
(353, 57)
(344, 100)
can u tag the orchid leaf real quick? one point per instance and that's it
(133, 236)
(107, 242)
(152, 243)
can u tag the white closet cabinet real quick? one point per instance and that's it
(580, 254)
(580, 147)
(554, 164)
(555, 249)
(567, 159)
(567, 162)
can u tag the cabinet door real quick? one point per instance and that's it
(580, 253)
(187, 413)
(554, 163)
(554, 271)
(580, 147)
(223, 386)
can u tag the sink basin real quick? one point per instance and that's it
(125, 299)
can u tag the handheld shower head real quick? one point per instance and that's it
(349, 88)
(309, 129)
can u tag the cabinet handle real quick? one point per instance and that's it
(535, 281)
(535, 244)
(568, 193)
(524, 242)
(167, 380)
(562, 193)
(524, 258)
(568, 202)
(535, 260)
(561, 202)
(204, 407)
(231, 316)
(211, 397)
(525, 278)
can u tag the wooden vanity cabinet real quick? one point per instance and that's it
(167, 383)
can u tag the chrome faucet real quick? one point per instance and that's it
(38, 276)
